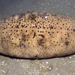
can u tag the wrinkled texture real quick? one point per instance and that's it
(37, 35)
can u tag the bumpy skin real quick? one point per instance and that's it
(37, 35)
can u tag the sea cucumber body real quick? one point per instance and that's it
(37, 35)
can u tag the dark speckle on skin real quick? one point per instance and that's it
(32, 17)
(54, 14)
(66, 43)
(51, 27)
(21, 44)
(74, 30)
(17, 26)
(42, 35)
(40, 42)
(24, 37)
(34, 35)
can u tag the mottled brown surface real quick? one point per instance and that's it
(37, 35)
